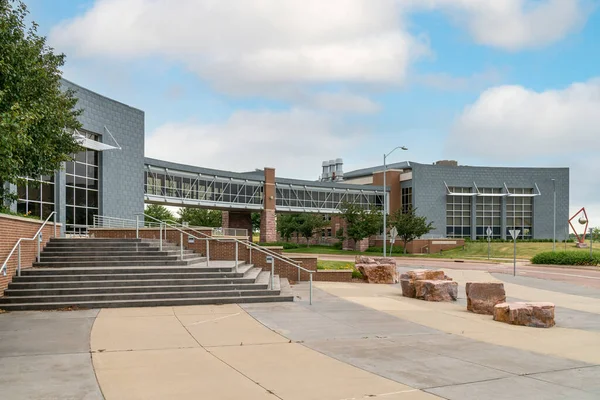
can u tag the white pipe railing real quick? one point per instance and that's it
(38, 235)
(246, 243)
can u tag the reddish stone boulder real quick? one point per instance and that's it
(483, 296)
(436, 290)
(408, 287)
(379, 273)
(534, 314)
(425, 275)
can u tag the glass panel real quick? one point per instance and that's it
(92, 157)
(47, 210)
(92, 184)
(80, 216)
(22, 191)
(70, 215)
(90, 215)
(33, 191)
(92, 172)
(80, 197)
(70, 167)
(80, 182)
(21, 207)
(70, 196)
(70, 180)
(92, 198)
(80, 157)
(34, 209)
(48, 192)
(80, 169)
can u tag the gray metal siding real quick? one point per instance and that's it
(429, 192)
(121, 171)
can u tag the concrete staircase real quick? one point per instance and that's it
(99, 273)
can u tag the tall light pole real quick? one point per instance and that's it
(385, 156)
(554, 218)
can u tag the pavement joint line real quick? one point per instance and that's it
(561, 370)
(45, 354)
(242, 344)
(562, 274)
(372, 396)
(214, 319)
(224, 362)
(102, 351)
(91, 355)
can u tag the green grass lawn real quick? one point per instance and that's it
(525, 250)
(337, 265)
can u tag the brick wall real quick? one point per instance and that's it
(333, 276)
(11, 229)
(423, 245)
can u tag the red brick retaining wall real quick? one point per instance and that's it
(11, 229)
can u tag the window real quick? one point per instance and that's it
(82, 188)
(406, 199)
(36, 197)
(488, 213)
(519, 213)
(458, 213)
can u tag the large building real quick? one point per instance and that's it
(113, 178)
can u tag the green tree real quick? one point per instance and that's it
(309, 224)
(159, 212)
(36, 116)
(255, 222)
(200, 217)
(410, 226)
(361, 223)
(287, 225)
(596, 234)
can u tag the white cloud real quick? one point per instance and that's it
(512, 125)
(295, 142)
(448, 82)
(249, 42)
(513, 24)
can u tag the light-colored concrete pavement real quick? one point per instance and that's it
(220, 352)
(356, 341)
(45, 356)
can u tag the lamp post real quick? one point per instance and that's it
(554, 217)
(385, 156)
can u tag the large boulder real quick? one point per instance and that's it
(377, 269)
(436, 290)
(425, 275)
(534, 314)
(483, 296)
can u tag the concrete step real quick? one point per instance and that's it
(137, 276)
(94, 240)
(101, 252)
(146, 263)
(132, 270)
(134, 289)
(100, 297)
(166, 302)
(79, 245)
(106, 257)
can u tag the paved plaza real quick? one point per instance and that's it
(356, 341)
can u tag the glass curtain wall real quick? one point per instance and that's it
(519, 213)
(36, 198)
(489, 213)
(458, 213)
(82, 186)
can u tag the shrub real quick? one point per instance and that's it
(356, 274)
(337, 245)
(285, 245)
(566, 258)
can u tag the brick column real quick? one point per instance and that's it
(268, 224)
(225, 219)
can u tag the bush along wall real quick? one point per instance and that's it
(566, 258)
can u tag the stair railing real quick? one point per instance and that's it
(38, 235)
(237, 241)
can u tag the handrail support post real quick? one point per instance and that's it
(272, 272)
(19, 259)
(181, 245)
(236, 256)
(160, 236)
(137, 226)
(310, 289)
(55, 224)
(207, 251)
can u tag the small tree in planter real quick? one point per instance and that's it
(410, 226)
(361, 223)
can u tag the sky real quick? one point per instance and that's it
(245, 84)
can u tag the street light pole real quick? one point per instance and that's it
(385, 156)
(554, 218)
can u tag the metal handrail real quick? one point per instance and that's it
(17, 245)
(245, 243)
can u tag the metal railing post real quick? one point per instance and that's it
(54, 224)
(137, 226)
(299, 275)
(250, 248)
(207, 251)
(19, 260)
(181, 245)
(160, 237)
(310, 289)
(236, 256)
(39, 246)
(272, 272)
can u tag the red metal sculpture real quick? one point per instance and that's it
(583, 220)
